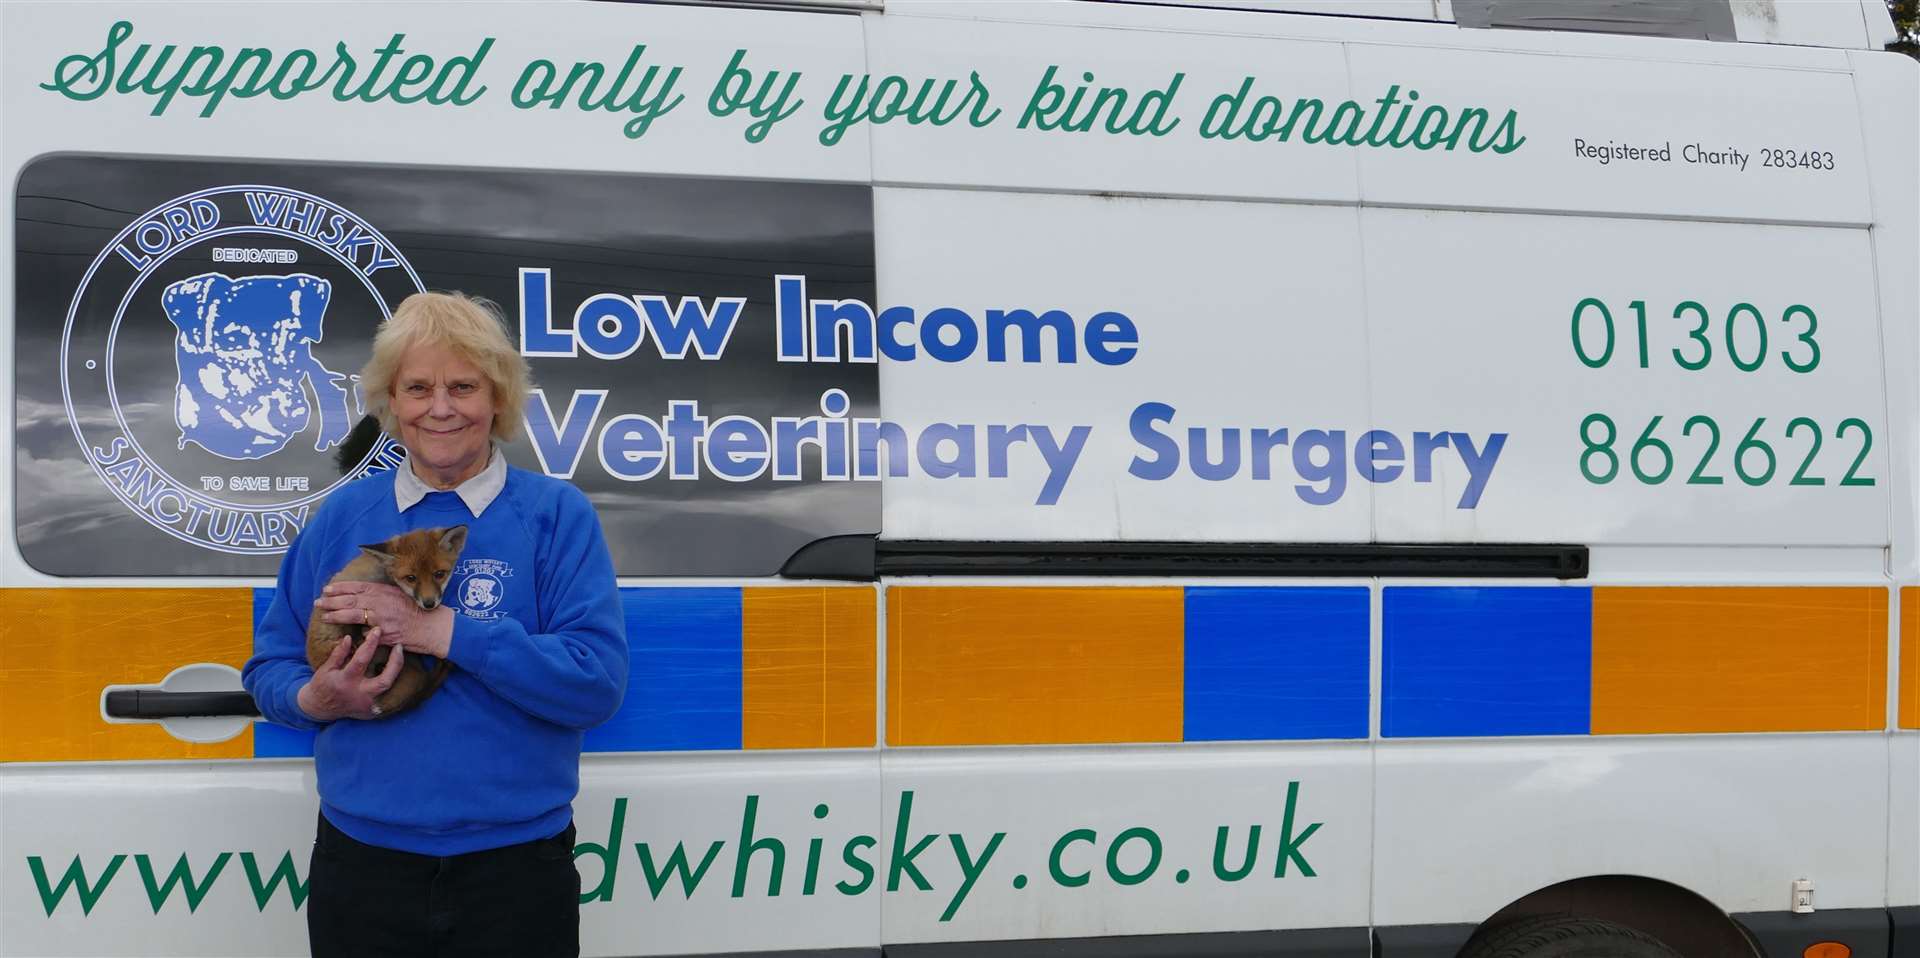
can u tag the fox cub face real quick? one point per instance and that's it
(421, 561)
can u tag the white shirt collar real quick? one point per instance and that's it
(478, 492)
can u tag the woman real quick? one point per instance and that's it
(447, 829)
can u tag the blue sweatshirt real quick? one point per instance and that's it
(539, 651)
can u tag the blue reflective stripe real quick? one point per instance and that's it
(1276, 663)
(683, 690)
(270, 740)
(1468, 661)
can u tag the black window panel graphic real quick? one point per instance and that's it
(188, 333)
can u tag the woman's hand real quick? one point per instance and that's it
(341, 688)
(385, 607)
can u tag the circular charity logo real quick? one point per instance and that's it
(210, 360)
(479, 594)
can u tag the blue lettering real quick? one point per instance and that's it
(790, 318)
(631, 448)
(1060, 459)
(179, 224)
(378, 261)
(1000, 322)
(933, 465)
(705, 328)
(1229, 464)
(205, 215)
(1333, 472)
(537, 335)
(892, 318)
(829, 317)
(1378, 451)
(248, 530)
(868, 435)
(1166, 460)
(737, 449)
(265, 208)
(1479, 463)
(788, 436)
(558, 447)
(1424, 446)
(946, 317)
(299, 216)
(685, 430)
(1112, 339)
(999, 440)
(1264, 442)
(336, 229)
(608, 326)
(837, 460)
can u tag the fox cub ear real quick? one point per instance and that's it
(454, 539)
(379, 551)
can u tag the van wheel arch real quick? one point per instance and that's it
(1678, 917)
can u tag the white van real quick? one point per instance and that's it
(1392, 478)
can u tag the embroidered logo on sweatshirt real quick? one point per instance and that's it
(482, 587)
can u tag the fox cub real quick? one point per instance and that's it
(419, 562)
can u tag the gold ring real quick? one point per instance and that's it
(368, 616)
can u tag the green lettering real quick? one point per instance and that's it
(414, 72)
(748, 845)
(210, 56)
(609, 855)
(76, 877)
(366, 93)
(1478, 118)
(181, 875)
(285, 85)
(1348, 113)
(1301, 109)
(263, 892)
(1289, 845)
(527, 99)
(79, 68)
(1504, 135)
(902, 860)
(260, 59)
(676, 862)
(1119, 842)
(974, 117)
(969, 869)
(447, 89)
(881, 110)
(1046, 99)
(842, 113)
(1053, 860)
(1386, 104)
(1113, 97)
(735, 91)
(1425, 138)
(859, 865)
(1160, 101)
(1220, 869)
(127, 82)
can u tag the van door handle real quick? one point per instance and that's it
(202, 703)
(156, 704)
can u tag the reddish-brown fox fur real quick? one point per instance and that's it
(420, 563)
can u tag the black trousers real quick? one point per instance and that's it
(521, 901)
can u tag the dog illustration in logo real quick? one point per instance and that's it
(481, 594)
(244, 354)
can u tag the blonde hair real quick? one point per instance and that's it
(469, 327)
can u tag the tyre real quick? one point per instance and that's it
(1561, 936)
